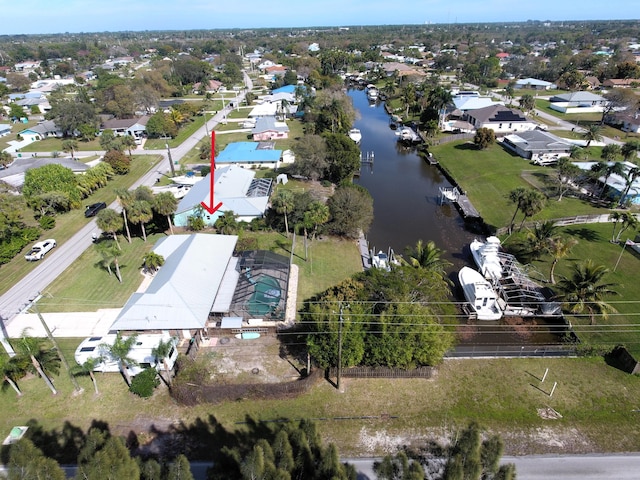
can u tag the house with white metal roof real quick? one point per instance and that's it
(534, 84)
(199, 270)
(234, 186)
(578, 102)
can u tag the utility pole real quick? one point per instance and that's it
(173, 170)
(340, 349)
(77, 387)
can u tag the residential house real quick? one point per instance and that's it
(578, 102)
(267, 128)
(621, 83)
(534, 84)
(250, 155)
(135, 127)
(542, 148)
(234, 186)
(627, 121)
(5, 129)
(500, 119)
(199, 270)
(265, 109)
(212, 86)
(42, 130)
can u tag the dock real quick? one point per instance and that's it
(431, 159)
(365, 255)
(460, 199)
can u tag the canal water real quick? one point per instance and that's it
(407, 208)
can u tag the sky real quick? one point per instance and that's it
(58, 16)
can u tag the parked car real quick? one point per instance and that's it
(93, 209)
(40, 249)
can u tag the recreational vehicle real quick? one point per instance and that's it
(141, 353)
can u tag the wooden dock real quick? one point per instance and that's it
(460, 199)
(365, 255)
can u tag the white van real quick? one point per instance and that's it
(141, 353)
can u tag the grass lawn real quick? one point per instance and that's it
(184, 132)
(55, 145)
(69, 223)
(374, 415)
(489, 175)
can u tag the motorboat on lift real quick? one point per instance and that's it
(486, 257)
(480, 294)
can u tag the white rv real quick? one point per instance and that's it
(141, 353)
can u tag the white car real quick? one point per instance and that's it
(40, 249)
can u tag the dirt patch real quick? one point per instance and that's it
(247, 361)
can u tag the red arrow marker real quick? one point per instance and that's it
(210, 207)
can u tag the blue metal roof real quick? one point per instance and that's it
(244, 152)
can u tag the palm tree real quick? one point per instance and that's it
(630, 177)
(283, 201)
(140, 213)
(45, 360)
(627, 220)
(108, 220)
(125, 198)
(576, 152)
(119, 351)
(538, 238)
(427, 256)
(10, 371)
(558, 247)
(87, 368)
(227, 223)
(615, 167)
(630, 149)
(317, 214)
(109, 254)
(592, 134)
(162, 351)
(585, 290)
(517, 196)
(152, 262)
(69, 146)
(166, 204)
(610, 152)
(533, 202)
(128, 142)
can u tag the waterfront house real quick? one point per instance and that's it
(234, 186)
(500, 119)
(250, 155)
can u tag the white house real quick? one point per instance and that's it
(135, 127)
(578, 102)
(500, 119)
(534, 84)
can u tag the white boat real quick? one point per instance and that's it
(380, 260)
(372, 92)
(480, 295)
(486, 256)
(355, 135)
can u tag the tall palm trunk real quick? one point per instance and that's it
(125, 373)
(13, 384)
(170, 224)
(552, 279)
(144, 231)
(117, 264)
(126, 224)
(115, 237)
(95, 383)
(44, 376)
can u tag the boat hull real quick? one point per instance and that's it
(480, 295)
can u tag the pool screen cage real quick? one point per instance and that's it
(261, 291)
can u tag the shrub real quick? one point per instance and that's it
(47, 222)
(145, 383)
(118, 161)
